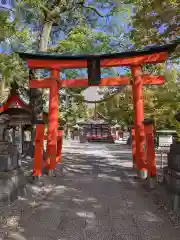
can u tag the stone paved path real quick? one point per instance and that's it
(96, 199)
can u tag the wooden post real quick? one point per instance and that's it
(133, 147)
(21, 138)
(59, 146)
(23, 141)
(150, 151)
(53, 121)
(37, 133)
(138, 119)
(133, 133)
(38, 152)
(13, 136)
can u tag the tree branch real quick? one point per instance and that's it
(52, 14)
(90, 7)
(95, 10)
(45, 9)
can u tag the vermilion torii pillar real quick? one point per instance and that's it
(133, 145)
(134, 60)
(137, 90)
(53, 120)
(150, 151)
(59, 146)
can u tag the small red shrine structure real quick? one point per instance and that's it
(17, 101)
(14, 99)
(55, 63)
(96, 128)
(16, 106)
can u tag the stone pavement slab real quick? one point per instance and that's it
(95, 199)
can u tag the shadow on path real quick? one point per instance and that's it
(97, 198)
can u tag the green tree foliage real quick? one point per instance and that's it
(83, 39)
(155, 22)
(160, 103)
(167, 100)
(119, 107)
(7, 29)
(52, 18)
(12, 34)
(41, 22)
(11, 69)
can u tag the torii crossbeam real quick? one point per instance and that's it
(55, 63)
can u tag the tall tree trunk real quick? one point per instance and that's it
(45, 35)
(2, 87)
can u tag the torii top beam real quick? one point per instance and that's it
(152, 55)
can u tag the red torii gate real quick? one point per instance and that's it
(55, 63)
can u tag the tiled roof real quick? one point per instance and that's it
(97, 119)
(91, 121)
(21, 92)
